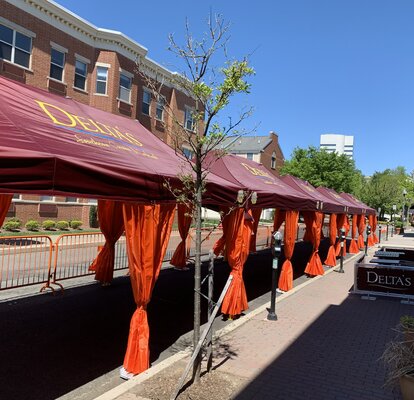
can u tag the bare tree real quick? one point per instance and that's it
(211, 88)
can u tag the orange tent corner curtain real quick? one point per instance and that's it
(184, 217)
(353, 246)
(5, 201)
(286, 274)
(361, 228)
(112, 225)
(238, 234)
(147, 230)
(314, 266)
(218, 247)
(331, 257)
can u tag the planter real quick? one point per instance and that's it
(407, 387)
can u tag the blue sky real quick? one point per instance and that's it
(322, 66)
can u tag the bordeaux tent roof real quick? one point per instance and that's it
(271, 191)
(328, 205)
(358, 203)
(351, 207)
(55, 145)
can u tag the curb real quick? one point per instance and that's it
(117, 391)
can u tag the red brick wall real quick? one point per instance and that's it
(266, 156)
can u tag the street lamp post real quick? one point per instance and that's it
(404, 193)
(366, 240)
(276, 251)
(394, 208)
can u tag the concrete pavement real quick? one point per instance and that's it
(325, 344)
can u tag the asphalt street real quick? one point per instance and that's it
(51, 345)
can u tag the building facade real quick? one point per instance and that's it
(46, 46)
(340, 144)
(262, 149)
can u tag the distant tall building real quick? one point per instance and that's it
(340, 144)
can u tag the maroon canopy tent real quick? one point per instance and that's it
(271, 191)
(327, 204)
(351, 208)
(55, 145)
(358, 203)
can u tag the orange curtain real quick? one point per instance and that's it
(184, 216)
(111, 223)
(331, 257)
(278, 219)
(361, 228)
(239, 232)
(341, 221)
(147, 229)
(218, 247)
(291, 226)
(5, 201)
(374, 229)
(314, 266)
(371, 240)
(308, 216)
(353, 247)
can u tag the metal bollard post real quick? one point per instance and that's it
(379, 234)
(277, 251)
(386, 235)
(342, 241)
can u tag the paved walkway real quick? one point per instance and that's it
(325, 344)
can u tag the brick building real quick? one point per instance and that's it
(46, 46)
(262, 149)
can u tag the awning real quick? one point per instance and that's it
(271, 191)
(350, 207)
(327, 204)
(358, 203)
(57, 146)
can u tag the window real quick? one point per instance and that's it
(249, 156)
(146, 102)
(46, 198)
(273, 162)
(101, 79)
(93, 202)
(189, 119)
(17, 196)
(81, 71)
(125, 83)
(159, 113)
(71, 199)
(15, 47)
(57, 63)
(188, 153)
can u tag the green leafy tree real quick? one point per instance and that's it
(211, 79)
(320, 168)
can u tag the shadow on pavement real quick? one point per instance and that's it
(50, 345)
(337, 357)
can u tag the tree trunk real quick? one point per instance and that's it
(197, 271)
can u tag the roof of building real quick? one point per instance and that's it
(245, 144)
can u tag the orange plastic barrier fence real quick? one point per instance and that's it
(24, 260)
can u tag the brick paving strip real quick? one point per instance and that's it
(325, 344)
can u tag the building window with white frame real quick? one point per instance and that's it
(15, 47)
(273, 161)
(189, 122)
(187, 153)
(125, 84)
(249, 156)
(146, 102)
(57, 64)
(46, 198)
(159, 113)
(81, 72)
(101, 79)
(71, 199)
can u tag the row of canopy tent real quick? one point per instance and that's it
(57, 146)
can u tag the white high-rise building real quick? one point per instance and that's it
(340, 144)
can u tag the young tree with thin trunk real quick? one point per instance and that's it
(211, 88)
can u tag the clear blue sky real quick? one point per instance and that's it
(322, 66)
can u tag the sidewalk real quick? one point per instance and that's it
(325, 344)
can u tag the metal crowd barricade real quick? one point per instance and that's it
(74, 253)
(24, 260)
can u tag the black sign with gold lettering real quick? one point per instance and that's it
(385, 279)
